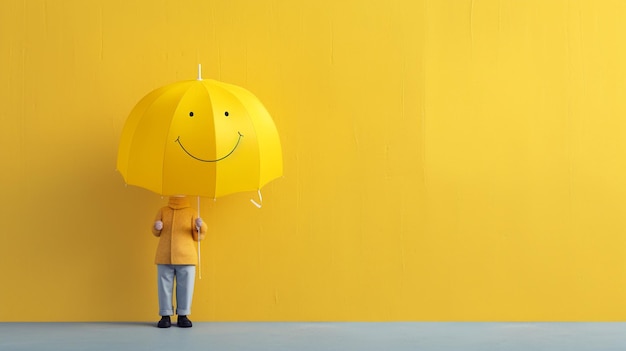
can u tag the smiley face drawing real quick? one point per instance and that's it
(201, 137)
(203, 160)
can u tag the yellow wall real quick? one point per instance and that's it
(444, 160)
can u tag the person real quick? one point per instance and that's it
(177, 227)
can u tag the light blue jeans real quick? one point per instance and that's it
(185, 277)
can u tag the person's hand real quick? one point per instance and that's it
(199, 222)
(158, 225)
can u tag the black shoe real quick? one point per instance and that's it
(184, 322)
(165, 322)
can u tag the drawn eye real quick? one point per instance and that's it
(226, 113)
(190, 114)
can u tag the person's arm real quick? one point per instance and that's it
(158, 224)
(199, 224)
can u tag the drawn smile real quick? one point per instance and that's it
(203, 160)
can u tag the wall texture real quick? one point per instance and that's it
(444, 160)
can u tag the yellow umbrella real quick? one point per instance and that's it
(199, 137)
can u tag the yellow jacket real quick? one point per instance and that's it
(176, 239)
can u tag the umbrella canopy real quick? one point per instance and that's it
(199, 137)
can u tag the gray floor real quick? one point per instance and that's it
(315, 336)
